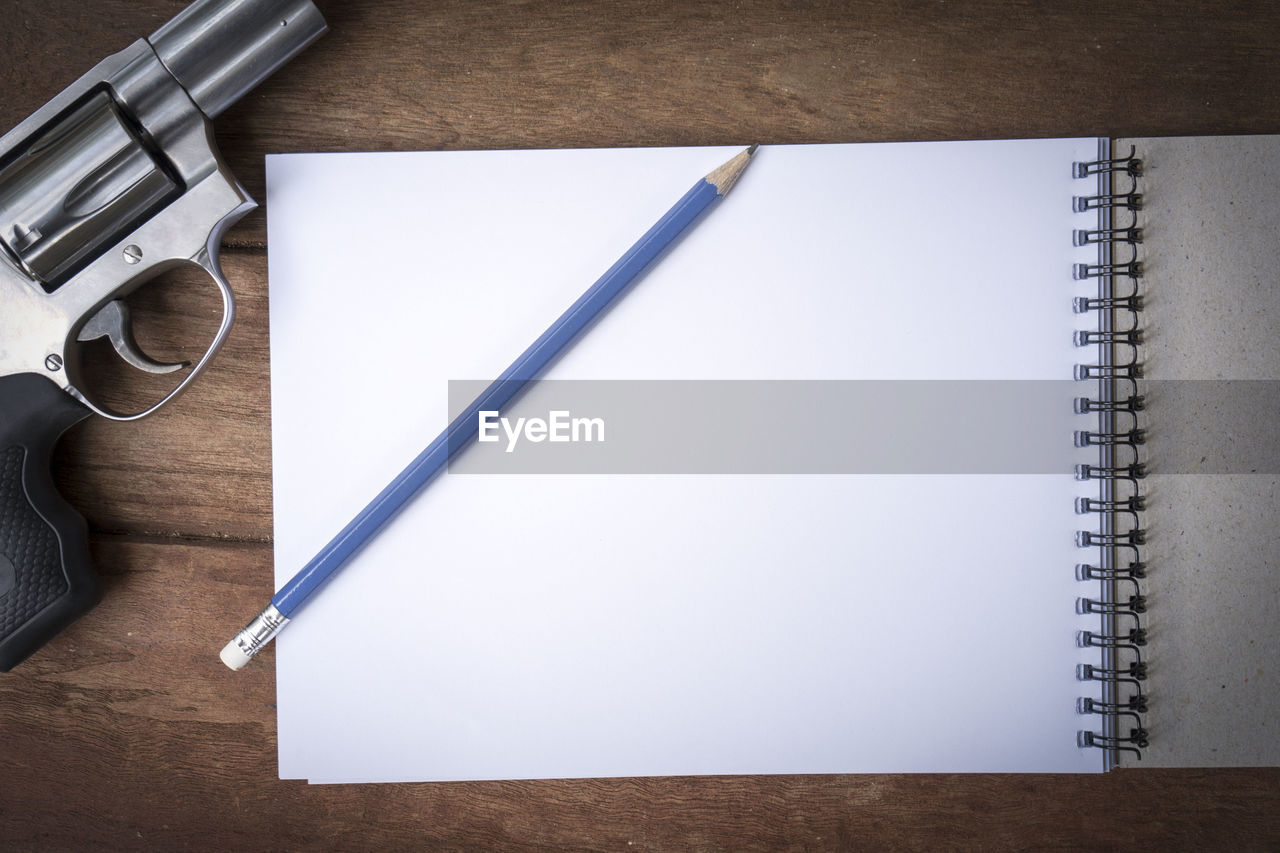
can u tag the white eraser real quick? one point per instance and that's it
(233, 656)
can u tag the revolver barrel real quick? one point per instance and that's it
(220, 49)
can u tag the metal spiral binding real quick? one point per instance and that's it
(1114, 722)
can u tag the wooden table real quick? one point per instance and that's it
(126, 732)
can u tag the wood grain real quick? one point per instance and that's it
(404, 75)
(127, 733)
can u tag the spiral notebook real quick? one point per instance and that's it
(936, 603)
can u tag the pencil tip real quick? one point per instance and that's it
(727, 175)
(752, 150)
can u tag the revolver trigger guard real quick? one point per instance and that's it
(114, 323)
(209, 264)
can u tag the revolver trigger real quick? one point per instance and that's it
(112, 322)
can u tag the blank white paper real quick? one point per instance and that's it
(511, 627)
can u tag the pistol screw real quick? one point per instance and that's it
(53, 361)
(132, 254)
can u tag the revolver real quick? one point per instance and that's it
(113, 182)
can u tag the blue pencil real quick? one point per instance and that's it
(525, 369)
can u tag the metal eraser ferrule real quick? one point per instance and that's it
(261, 630)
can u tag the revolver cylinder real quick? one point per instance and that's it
(80, 183)
(83, 183)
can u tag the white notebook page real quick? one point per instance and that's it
(521, 626)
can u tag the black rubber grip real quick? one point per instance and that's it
(46, 579)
